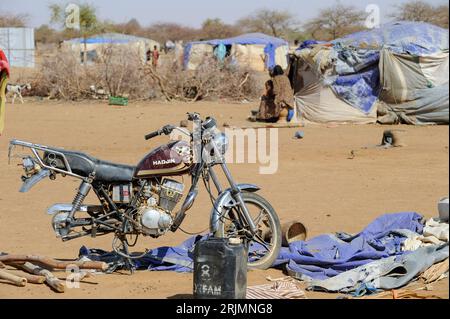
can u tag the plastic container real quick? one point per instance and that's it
(443, 209)
(220, 269)
(118, 100)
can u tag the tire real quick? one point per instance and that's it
(252, 199)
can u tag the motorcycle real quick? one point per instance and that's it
(141, 200)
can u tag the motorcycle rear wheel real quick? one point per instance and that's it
(268, 228)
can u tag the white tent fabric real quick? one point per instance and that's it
(414, 90)
(396, 74)
(316, 101)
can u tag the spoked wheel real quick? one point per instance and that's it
(265, 245)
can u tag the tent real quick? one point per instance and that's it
(397, 73)
(95, 44)
(257, 51)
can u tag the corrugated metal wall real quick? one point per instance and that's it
(18, 45)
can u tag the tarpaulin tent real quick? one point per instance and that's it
(93, 45)
(397, 73)
(257, 51)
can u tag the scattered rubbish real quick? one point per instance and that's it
(393, 138)
(401, 294)
(352, 154)
(443, 209)
(299, 134)
(435, 232)
(226, 124)
(292, 231)
(118, 100)
(436, 272)
(277, 290)
(220, 269)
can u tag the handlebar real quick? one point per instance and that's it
(165, 130)
(152, 135)
(208, 123)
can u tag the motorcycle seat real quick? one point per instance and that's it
(83, 164)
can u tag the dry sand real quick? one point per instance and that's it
(315, 182)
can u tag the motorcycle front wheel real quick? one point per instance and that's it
(265, 246)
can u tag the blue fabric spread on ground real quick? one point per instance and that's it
(318, 258)
(328, 255)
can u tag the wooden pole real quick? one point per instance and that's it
(50, 279)
(32, 279)
(53, 263)
(16, 280)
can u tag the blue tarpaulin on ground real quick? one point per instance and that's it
(328, 255)
(271, 44)
(318, 258)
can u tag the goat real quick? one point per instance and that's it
(16, 90)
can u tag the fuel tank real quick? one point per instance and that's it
(171, 159)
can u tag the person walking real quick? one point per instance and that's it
(155, 56)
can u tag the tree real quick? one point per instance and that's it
(132, 27)
(335, 22)
(216, 28)
(13, 21)
(87, 18)
(162, 32)
(45, 34)
(418, 10)
(272, 22)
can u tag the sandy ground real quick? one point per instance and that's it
(315, 183)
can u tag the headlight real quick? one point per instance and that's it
(221, 143)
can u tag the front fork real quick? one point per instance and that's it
(235, 193)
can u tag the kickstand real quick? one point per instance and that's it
(123, 262)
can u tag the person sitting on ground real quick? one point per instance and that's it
(267, 109)
(278, 96)
(284, 94)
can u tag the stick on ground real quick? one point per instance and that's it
(50, 279)
(53, 263)
(32, 279)
(16, 280)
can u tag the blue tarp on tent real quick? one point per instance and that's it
(271, 44)
(355, 77)
(109, 38)
(414, 38)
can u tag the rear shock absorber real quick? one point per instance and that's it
(83, 191)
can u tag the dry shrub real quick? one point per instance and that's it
(120, 71)
(117, 71)
(60, 75)
(211, 80)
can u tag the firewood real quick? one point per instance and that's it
(16, 280)
(32, 279)
(50, 279)
(53, 263)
